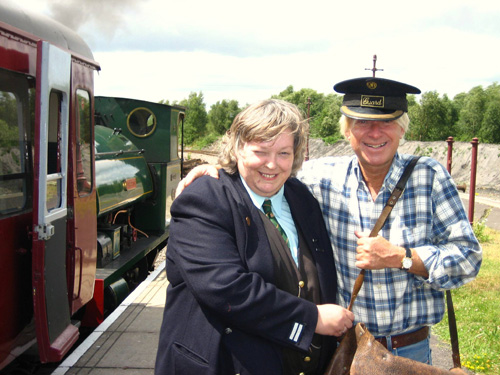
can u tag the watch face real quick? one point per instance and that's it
(407, 262)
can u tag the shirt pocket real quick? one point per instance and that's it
(413, 237)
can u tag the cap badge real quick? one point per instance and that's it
(372, 101)
(371, 85)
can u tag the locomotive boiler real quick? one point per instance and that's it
(85, 188)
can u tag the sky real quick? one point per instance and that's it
(249, 50)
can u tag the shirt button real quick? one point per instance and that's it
(301, 284)
(307, 359)
(228, 330)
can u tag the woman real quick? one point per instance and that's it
(245, 298)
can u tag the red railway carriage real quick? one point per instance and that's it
(47, 220)
(68, 238)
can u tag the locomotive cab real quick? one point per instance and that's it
(137, 171)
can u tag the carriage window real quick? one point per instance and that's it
(141, 122)
(14, 117)
(83, 149)
(54, 153)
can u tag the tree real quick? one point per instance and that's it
(471, 114)
(432, 119)
(323, 111)
(221, 116)
(435, 116)
(414, 113)
(195, 123)
(490, 127)
(329, 128)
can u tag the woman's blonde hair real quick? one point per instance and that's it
(346, 123)
(265, 121)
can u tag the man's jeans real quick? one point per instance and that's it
(421, 351)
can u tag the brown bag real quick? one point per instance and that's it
(373, 358)
(358, 351)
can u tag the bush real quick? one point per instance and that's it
(479, 227)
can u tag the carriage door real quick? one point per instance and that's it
(55, 334)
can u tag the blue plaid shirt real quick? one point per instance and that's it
(429, 217)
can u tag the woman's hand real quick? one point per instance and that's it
(333, 320)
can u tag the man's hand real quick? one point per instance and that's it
(375, 253)
(200, 170)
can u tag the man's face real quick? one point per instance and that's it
(375, 142)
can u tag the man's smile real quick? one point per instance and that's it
(376, 146)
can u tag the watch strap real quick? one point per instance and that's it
(408, 256)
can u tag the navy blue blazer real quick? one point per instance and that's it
(223, 313)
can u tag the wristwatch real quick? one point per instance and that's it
(407, 262)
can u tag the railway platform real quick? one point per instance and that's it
(126, 342)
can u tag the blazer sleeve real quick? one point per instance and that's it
(221, 252)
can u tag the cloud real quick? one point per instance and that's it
(106, 16)
(165, 49)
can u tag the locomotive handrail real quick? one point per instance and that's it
(121, 152)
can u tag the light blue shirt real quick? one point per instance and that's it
(281, 211)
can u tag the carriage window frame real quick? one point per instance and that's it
(140, 127)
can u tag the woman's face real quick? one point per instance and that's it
(265, 166)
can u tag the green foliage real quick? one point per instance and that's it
(424, 152)
(490, 125)
(480, 229)
(322, 110)
(9, 131)
(332, 139)
(206, 141)
(471, 114)
(433, 117)
(8, 109)
(195, 123)
(9, 135)
(221, 116)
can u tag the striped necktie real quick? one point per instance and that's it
(266, 206)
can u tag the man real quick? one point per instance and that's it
(427, 244)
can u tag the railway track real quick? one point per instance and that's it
(201, 152)
(192, 158)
